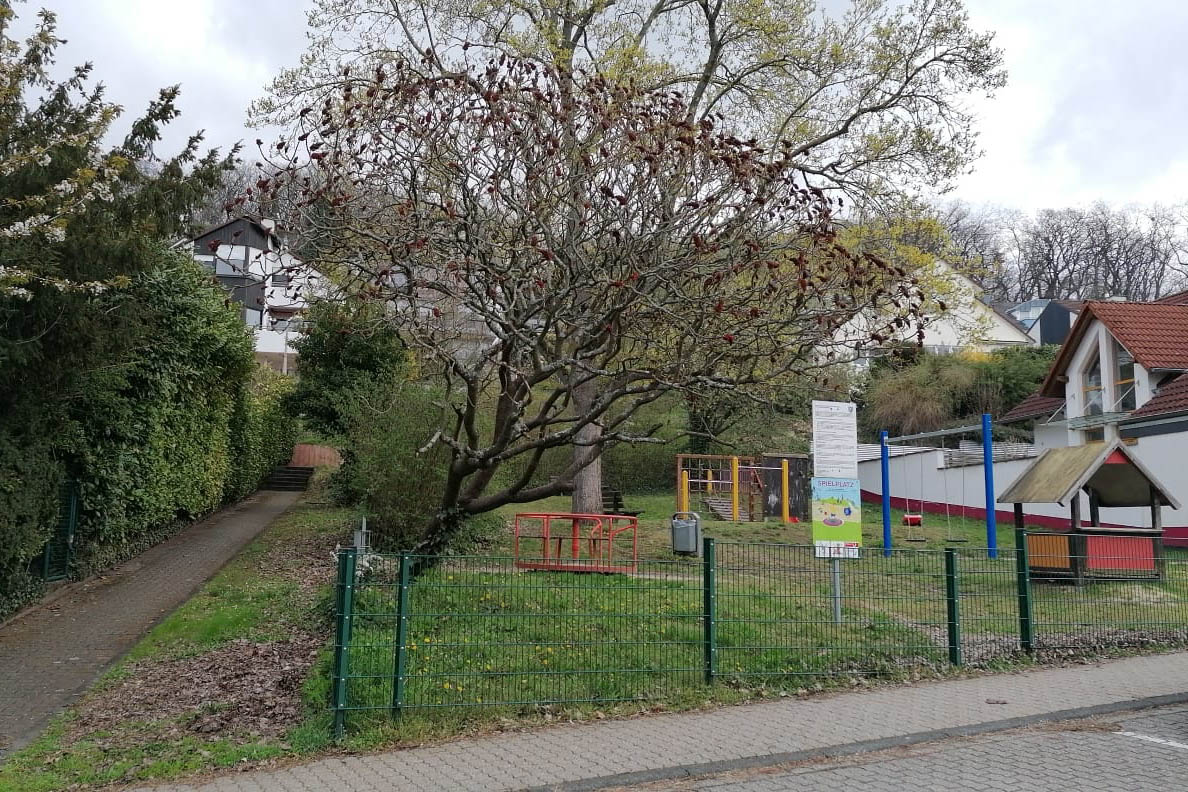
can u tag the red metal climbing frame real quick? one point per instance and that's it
(593, 533)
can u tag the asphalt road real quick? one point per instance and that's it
(1133, 752)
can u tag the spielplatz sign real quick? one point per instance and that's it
(837, 508)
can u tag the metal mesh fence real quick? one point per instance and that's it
(784, 613)
(483, 632)
(478, 631)
(989, 605)
(1115, 595)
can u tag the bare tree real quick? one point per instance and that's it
(977, 242)
(562, 250)
(869, 99)
(868, 102)
(1099, 252)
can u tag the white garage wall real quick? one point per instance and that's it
(920, 477)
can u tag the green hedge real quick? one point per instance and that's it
(186, 424)
(264, 432)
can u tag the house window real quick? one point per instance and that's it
(1091, 390)
(225, 266)
(280, 278)
(253, 317)
(1091, 393)
(1124, 379)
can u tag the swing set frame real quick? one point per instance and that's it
(988, 475)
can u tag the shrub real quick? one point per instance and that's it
(186, 424)
(934, 391)
(344, 347)
(262, 432)
(383, 469)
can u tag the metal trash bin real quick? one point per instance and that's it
(686, 533)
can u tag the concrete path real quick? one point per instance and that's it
(617, 753)
(52, 654)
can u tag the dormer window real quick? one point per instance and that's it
(1124, 379)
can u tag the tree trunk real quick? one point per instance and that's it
(440, 531)
(587, 483)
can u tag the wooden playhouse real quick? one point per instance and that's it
(1111, 477)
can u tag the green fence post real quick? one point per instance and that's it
(1023, 584)
(343, 612)
(709, 608)
(952, 600)
(72, 525)
(402, 615)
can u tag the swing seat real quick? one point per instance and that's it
(913, 519)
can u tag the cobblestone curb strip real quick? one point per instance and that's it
(608, 753)
(853, 749)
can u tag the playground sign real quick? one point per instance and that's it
(837, 517)
(835, 440)
(837, 509)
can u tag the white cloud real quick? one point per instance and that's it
(221, 52)
(1093, 109)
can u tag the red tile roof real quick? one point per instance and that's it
(1155, 333)
(1034, 406)
(1171, 398)
(1178, 298)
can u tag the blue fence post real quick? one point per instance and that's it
(885, 467)
(988, 466)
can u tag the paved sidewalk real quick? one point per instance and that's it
(51, 655)
(596, 755)
(1143, 752)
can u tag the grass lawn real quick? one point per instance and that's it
(240, 674)
(513, 644)
(655, 540)
(488, 645)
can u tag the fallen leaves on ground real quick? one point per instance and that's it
(241, 688)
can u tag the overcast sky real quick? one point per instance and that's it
(1095, 107)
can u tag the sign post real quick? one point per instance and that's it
(837, 495)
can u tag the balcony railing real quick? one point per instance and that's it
(1096, 421)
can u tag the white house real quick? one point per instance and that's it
(249, 260)
(968, 321)
(1121, 374)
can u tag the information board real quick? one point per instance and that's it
(837, 496)
(835, 440)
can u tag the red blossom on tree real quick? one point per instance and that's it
(562, 250)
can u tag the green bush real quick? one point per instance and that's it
(156, 433)
(345, 346)
(929, 392)
(30, 475)
(263, 433)
(186, 424)
(383, 468)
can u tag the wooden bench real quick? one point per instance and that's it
(612, 503)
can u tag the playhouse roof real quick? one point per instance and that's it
(1106, 468)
